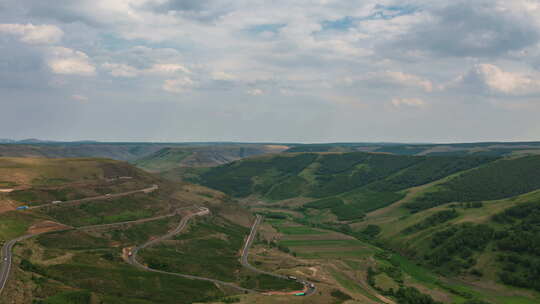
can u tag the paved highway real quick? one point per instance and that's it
(7, 256)
(311, 288)
(132, 258)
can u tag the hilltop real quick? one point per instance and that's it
(169, 159)
(456, 149)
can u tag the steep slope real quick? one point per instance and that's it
(357, 182)
(493, 242)
(76, 262)
(497, 180)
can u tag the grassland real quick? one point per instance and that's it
(357, 182)
(92, 264)
(77, 266)
(169, 160)
(114, 210)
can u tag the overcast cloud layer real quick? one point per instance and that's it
(281, 70)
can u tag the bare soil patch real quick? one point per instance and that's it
(6, 206)
(46, 226)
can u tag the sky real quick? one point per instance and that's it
(270, 71)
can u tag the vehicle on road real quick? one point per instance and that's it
(291, 278)
(56, 202)
(22, 208)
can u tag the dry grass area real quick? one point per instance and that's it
(29, 170)
(46, 226)
(6, 205)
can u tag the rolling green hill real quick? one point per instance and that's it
(461, 149)
(497, 180)
(492, 241)
(169, 159)
(65, 264)
(358, 182)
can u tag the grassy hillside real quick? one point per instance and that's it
(85, 266)
(358, 182)
(497, 180)
(492, 242)
(169, 159)
(126, 151)
(465, 149)
(119, 151)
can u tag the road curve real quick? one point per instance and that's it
(132, 258)
(311, 288)
(6, 251)
(7, 255)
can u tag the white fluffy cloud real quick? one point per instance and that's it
(495, 79)
(33, 34)
(408, 102)
(70, 62)
(220, 75)
(161, 69)
(179, 85)
(120, 70)
(506, 82)
(409, 80)
(168, 68)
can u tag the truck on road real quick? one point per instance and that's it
(22, 208)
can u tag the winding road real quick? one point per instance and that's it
(310, 287)
(7, 249)
(7, 254)
(132, 258)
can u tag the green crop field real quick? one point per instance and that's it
(299, 230)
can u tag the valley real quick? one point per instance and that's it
(278, 228)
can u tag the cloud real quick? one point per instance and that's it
(255, 92)
(409, 80)
(408, 102)
(393, 78)
(34, 34)
(222, 76)
(470, 29)
(493, 79)
(121, 70)
(179, 85)
(128, 71)
(168, 68)
(70, 62)
(80, 98)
